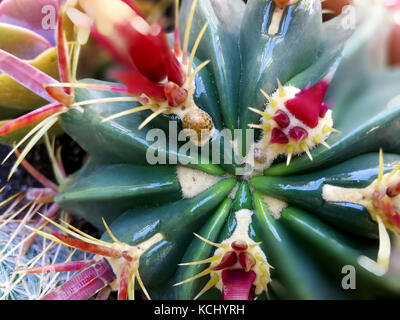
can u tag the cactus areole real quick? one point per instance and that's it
(205, 213)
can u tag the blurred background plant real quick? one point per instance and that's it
(335, 7)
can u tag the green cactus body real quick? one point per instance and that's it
(141, 200)
(273, 225)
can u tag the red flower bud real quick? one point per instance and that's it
(306, 105)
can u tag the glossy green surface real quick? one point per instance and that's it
(220, 44)
(219, 228)
(120, 140)
(176, 222)
(305, 191)
(295, 275)
(197, 251)
(266, 57)
(308, 253)
(335, 250)
(106, 191)
(365, 111)
(243, 199)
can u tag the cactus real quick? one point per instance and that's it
(310, 195)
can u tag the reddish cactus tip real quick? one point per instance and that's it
(175, 94)
(277, 136)
(143, 48)
(137, 84)
(238, 284)
(247, 261)
(282, 3)
(307, 105)
(393, 191)
(239, 245)
(228, 260)
(282, 119)
(298, 133)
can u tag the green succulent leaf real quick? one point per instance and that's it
(333, 40)
(295, 274)
(358, 172)
(197, 251)
(176, 222)
(106, 191)
(220, 45)
(120, 140)
(340, 251)
(267, 57)
(311, 240)
(366, 121)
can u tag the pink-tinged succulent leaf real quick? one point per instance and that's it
(238, 284)
(31, 117)
(306, 105)
(228, 260)
(62, 267)
(21, 42)
(137, 84)
(277, 136)
(26, 75)
(281, 118)
(298, 133)
(28, 14)
(85, 284)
